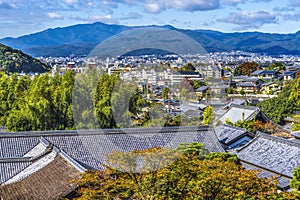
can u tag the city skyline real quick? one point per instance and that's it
(19, 17)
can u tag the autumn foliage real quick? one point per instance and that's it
(185, 173)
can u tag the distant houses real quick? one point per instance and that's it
(271, 88)
(266, 74)
(249, 85)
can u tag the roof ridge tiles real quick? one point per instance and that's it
(235, 127)
(279, 139)
(266, 169)
(270, 137)
(48, 150)
(15, 160)
(104, 131)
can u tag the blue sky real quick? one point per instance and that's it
(20, 17)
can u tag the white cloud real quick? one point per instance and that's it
(153, 7)
(54, 15)
(251, 19)
(70, 1)
(132, 15)
(8, 5)
(105, 19)
(185, 5)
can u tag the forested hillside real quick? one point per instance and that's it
(15, 61)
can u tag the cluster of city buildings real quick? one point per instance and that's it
(42, 165)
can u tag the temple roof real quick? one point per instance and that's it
(236, 112)
(273, 154)
(90, 147)
(228, 134)
(52, 181)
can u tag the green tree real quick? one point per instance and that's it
(189, 67)
(165, 93)
(246, 69)
(4, 107)
(287, 89)
(277, 108)
(230, 90)
(208, 115)
(172, 174)
(277, 66)
(85, 99)
(295, 182)
(295, 93)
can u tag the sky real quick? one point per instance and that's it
(22, 17)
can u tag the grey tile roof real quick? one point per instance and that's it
(9, 148)
(9, 168)
(235, 113)
(90, 147)
(246, 84)
(228, 134)
(202, 89)
(256, 73)
(289, 73)
(235, 102)
(296, 134)
(278, 155)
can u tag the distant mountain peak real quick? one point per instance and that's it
(80, 39)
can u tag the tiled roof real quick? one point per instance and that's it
(235, 102)
(275, 154)
(9, 168)
(246, 84)
(289, 73)
(235, 113)
(9, 149)
(228, 134)
(202, 89)
(50, 182)
(256, 73)
(267, 84)
(91, 146)
(296, 134)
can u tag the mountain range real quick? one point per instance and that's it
(81, 39)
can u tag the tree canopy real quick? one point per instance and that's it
(48, 102)
(295, 182)
(41, 103)
(285, 105)
(277, 66)
(189, 67)
(208, 115)
(246, 69)
(176, 174)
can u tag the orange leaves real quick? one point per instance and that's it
(185, 176)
